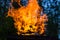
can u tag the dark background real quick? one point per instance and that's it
(50, 7)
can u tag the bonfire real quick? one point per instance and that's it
(28, 19)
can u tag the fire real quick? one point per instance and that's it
(28, 18)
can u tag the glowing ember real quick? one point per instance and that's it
(28, 18)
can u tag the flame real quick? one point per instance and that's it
(28, 18)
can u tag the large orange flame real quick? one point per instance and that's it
(28, 18)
